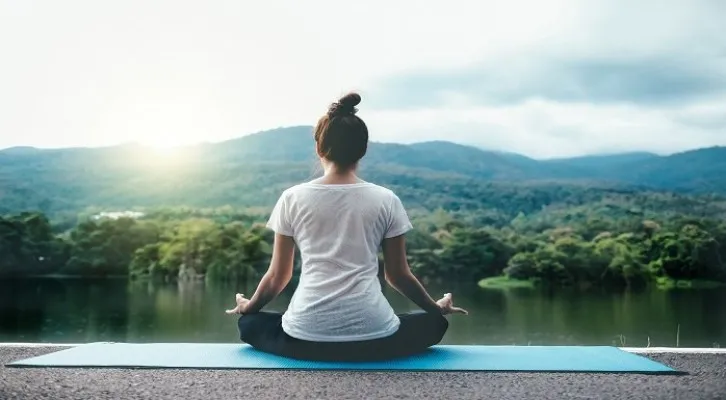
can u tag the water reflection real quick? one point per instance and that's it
(75, 310)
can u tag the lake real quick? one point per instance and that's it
(82, 310)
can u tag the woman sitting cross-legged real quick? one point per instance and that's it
(338, 311)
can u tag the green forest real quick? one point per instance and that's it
(625, 220)
(614, 241)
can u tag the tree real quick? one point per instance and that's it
(28, 245)
(689, 253)
(623, 261)
(472, 254)
(106, 247)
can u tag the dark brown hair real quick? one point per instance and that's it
(341, 136)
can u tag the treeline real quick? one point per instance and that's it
(165, 245)
(576, 248)
(563, 257)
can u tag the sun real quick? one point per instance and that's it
(162, 145)
(163, 149)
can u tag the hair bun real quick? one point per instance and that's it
(345, 105)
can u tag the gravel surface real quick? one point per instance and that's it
(706, 379)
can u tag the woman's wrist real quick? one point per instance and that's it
(249, 308)
(435, 308)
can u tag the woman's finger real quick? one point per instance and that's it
(459, 310)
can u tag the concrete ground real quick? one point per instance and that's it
(706, 379)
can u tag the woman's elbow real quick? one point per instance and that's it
(396, 279)
(277, 279)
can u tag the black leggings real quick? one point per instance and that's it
(418, 331)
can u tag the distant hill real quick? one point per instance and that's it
(252, 170)
(602, 161)
(295, 144)
(699, 171)
(702, 170)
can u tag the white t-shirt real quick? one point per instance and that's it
(339, 229)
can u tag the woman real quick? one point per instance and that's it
(338, 221)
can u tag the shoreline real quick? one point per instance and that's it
(503, 282)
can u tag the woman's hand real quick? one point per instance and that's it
(241, 304)
(446, 304)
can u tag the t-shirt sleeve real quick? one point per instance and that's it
(398, 222)
(279, 219)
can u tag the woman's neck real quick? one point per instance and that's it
(338, 176)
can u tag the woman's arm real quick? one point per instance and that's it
(276, 277)
(399, 275)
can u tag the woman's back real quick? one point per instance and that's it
(338, 311)
(338, 229)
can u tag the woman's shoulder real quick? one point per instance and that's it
(313, 186)
(384, 191)
(381, 193)
(377, 189)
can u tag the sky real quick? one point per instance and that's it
(546, 79)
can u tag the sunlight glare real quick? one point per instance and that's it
(164, 148)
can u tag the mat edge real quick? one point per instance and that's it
(511, 371)
(661, 370)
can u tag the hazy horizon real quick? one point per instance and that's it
(167, 151)
(546, 80)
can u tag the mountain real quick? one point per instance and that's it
(290, 144)
(252, 170)
(295, 144)
(602, 161)
(699, 171)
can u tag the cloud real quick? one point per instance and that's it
(545, 129)
(648, 52)
(510, 81)
(615, 77)
(544, 78)
(711, 116)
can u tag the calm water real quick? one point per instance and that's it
(72, 311)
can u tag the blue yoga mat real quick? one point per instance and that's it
(437, 358)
